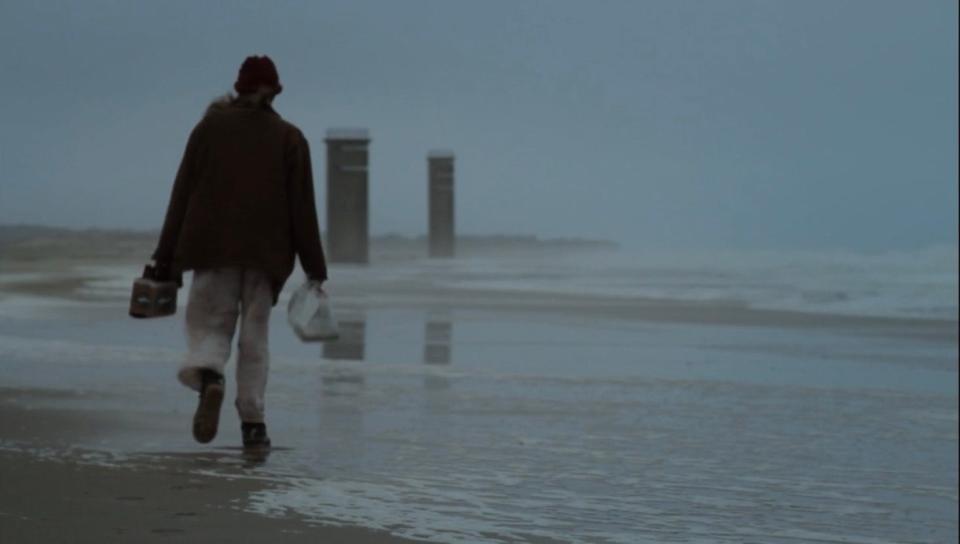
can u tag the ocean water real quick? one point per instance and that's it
(893, 284)
(458, 424)
(921, 284)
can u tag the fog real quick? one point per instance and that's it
(654, 124)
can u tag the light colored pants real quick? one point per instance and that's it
(217, 297)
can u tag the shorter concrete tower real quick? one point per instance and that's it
(440, 195)
(348, 222)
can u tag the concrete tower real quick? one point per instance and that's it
(440, 194)
(348, 223)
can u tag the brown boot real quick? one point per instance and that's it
(207, 417)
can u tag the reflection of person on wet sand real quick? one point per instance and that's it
(242, 208)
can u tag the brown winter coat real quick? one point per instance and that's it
(243, 196)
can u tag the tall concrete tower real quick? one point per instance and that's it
(440, 195)
(348, 223)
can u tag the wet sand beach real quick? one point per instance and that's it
(55, 493)
(462, 407)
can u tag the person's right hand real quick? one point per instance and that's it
(162, 271)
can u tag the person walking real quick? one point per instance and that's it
(242, 208)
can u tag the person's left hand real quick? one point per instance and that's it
(316, 284)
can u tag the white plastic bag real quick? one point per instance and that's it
(310, 314)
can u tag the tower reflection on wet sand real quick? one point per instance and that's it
(352, 342)
(438, 333)
(343, 381)
(351, 346)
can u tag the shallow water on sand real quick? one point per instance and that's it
(487, 426)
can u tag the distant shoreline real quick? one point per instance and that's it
(18, 237)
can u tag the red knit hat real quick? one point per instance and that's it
(256, 72)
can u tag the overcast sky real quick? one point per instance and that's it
(813, 124)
